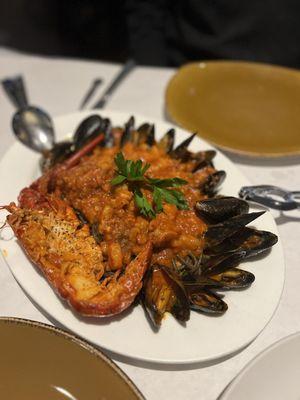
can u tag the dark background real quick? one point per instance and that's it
(157, 32)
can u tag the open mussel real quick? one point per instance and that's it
(162, 293)
(233, 278)
(201, 275)
(226, 233)
(203, 159)
(166, 143)
(220, 271)
(128, 131)
(145, 133)
(213, 181)
(220, 263)
(215, 234)
(199, 160)
(206, 301)
(248, 240)
(181, 152)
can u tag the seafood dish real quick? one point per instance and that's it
(119, 217)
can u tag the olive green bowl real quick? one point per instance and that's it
(39, 361)
(244, 107)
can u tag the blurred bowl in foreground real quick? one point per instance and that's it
(39, 361)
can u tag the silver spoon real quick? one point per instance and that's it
(271, 196)
(31, 125)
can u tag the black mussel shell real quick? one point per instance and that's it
(127, 133)
(203, 159)
(213, 182)
(60, 152)
(248, 240)
(181, 151)
(206, 301)
(233, 278)
(215, 234)
(144, 134)
(166, 143)
(140, 135)
(162, 293)
(151, 136)
(87, 130)
(220, 209)
(109, 140)
(218, 264)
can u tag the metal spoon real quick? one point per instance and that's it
(31, 125)
(271, 196)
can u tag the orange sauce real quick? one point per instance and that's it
(124, 230)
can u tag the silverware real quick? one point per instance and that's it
(271, 196)
(127, 68)
(95, 84)
(31, 125)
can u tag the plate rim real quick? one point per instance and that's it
(248, 154)
(143, 358)
(90, 348)
(264, 352)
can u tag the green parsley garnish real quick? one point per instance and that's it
(163, 189)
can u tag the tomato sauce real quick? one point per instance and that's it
(124, 231)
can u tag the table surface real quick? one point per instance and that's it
(58, 85)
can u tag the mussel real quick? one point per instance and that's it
(109, 140)
(206, 301)
(212, 182)
(203, 159)
(218, 264)
(226, 218)
(181, 152)
(215, 234)
(89, 128)
(162, 293)
(128, 130)
(145, 133)
(248, 240)
(233, 278)
(220, 209)
(86, 131)
(166, 143)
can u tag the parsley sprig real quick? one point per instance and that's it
(164, 190)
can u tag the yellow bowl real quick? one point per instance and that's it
(42, 362)
(248, 108)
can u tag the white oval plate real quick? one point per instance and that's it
(273, 374)
(204, 338)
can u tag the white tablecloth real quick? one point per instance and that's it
(58, 86)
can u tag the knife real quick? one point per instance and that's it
(127, 68)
